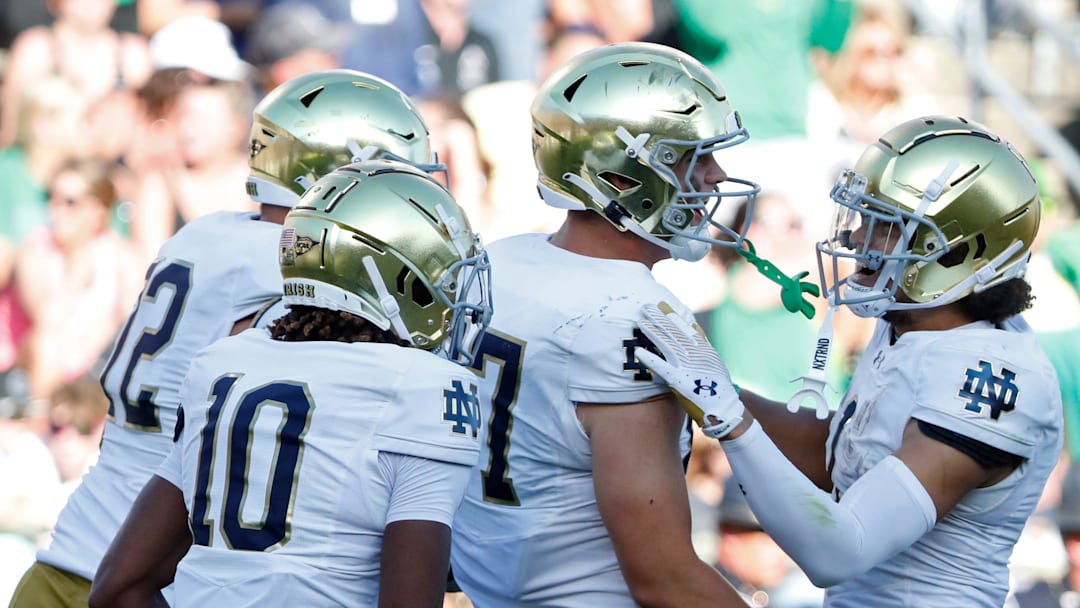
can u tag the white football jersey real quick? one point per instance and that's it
(988, 384)
(216, 270)
(280, 465)
(529, 531)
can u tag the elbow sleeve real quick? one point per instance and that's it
(882, 513)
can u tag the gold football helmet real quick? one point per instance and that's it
(619, 129)
(385, 241)
(954, 209)
(317, 122)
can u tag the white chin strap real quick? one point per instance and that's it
(360, 154)
(680, 247)
(387, 302)
(268, 193)
(872, 308)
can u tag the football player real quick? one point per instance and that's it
(321, 461)
(208, 280)
(579, 496)
(915, 491)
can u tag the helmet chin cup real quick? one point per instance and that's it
(691, 250)
(866, 302)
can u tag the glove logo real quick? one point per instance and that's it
(700, 386)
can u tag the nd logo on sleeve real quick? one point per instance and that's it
(462, 408)
(631, 364)
(982, 389)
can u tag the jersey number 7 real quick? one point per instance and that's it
(507, 352)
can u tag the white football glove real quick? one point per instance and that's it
(692, 369)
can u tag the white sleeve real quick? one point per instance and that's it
(170, 469)
(882, 513)
(422, 488)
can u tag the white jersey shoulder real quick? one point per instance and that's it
(303, 424)
(217, 269)
(991, 384)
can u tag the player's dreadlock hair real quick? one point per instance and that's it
(1000, 302)
(309, 324)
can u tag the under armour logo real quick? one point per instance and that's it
(699, 386)
(878, 359)
(983, 389)
(462, 408)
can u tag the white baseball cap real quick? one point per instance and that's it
(201, 44)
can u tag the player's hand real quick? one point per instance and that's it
(692, 369)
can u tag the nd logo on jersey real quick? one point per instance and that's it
(632, 364)
(983, 389)
(462, 408)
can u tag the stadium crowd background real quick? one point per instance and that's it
(120, 120)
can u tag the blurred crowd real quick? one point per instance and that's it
(120, 120)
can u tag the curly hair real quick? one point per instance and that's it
(999, 302)
(309, 324)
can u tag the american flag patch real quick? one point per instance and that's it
(287, 247)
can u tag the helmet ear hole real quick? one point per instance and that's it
(980, 241)
(956, 256)
(618, 181)
(420, 294)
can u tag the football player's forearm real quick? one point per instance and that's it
(138, 597)
(883, 512)
(801, 437)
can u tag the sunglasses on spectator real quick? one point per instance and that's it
(67, 199)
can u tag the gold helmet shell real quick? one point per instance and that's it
(385, 241)
(610, 129)
(317, 122)
(964, 202)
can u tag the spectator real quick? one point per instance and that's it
(207, 174)
(293, 38)
(46, 135)
(1064, 591)
(153, 15)
(454, 141)
(500, 113)
(429, 49)
(870, 86)
(31, 499)
(200, 44)
(77, 411)
(742, 44)
(616, 20)
(74, 279)
(79, 46)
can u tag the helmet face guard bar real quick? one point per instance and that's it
(858, 211)
(470, 280)
(690, 203)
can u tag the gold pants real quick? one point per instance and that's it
(44, 586)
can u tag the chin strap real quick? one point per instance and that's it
(791, 288)
(813, 381)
